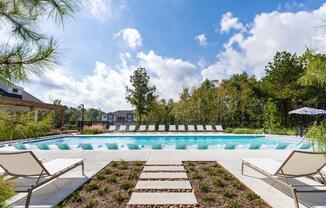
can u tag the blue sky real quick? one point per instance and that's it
(180, 43)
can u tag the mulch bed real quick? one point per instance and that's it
(109, 188)
(216, 187)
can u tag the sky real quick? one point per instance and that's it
(179, 42)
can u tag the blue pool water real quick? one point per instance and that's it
(168, 142)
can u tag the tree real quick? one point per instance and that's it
(32, 52)
(315, 69)
(271, 115)
(141, 95)
(280, 82)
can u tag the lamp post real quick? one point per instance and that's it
(82, 117)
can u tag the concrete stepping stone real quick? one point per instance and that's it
(164, 168)
(183, 185)
(163, 175)
(163, 198)
(164, 162)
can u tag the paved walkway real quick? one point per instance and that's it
(275, 195)
(163, 183)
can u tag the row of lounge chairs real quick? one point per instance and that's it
(155, 146)
(163, 128)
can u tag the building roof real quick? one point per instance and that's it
(122, 112)
(29, 97)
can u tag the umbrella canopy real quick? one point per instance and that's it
(308, 111)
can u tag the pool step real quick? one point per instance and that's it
(162, 185)
(163, 175)
(162, 198)
(164, 168)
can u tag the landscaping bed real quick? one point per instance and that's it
(216, 187)
(109, 188)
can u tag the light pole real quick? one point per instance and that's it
(82, 117)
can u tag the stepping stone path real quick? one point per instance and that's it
(163, 184)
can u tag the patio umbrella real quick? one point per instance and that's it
(308, 111)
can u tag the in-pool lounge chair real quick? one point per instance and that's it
(230, 146)
(63, 146)
(86, 146)
(172, 128)
(191, 128)
(219, 128)
(181, 128)
(142, 128)
(304, 146)
(209, 128)
(20, 146)
(202, 146)
(112, 128)
(297, 164)
(151, 128)
(133, 146)
(43, 146)
(112, 146)
(254, 146)
(180, 146)
(157, 146)
(200, 128)
(281, 146)
(25, 164)
(132, 128)
(122, 128)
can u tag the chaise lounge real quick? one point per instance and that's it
(297, 164)
(25, 164)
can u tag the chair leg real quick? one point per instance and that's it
(28, 198)
(83, 168)
(242, 166)
(295, 198)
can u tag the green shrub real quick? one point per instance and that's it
(218, 182)
(227, 193)
(6, 191)
(203, 187)
(117, 196)
(209, 198)
(126, 185)
(93, 131)
(251, 196)
(195, 176)
(91, 204)
(112, 179)
(243, 131)
(317, 134)
(92, 186)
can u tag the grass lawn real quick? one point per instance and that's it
(216, 187)
(109, 188)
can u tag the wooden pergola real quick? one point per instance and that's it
(34, 106)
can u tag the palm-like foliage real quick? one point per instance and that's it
(32, 51)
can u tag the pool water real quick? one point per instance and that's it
(167, 141)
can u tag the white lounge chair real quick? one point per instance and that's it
(112, 128)
(24, 164)
(209, 128)
(297, 164)
(172, 128)
(142, 128)
(151, 128)
(191, 128)
(200, 128)
(219, 128)
(122, 128)
(132, 128)
(181, 128)
(161, 127)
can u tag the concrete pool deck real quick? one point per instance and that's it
(277, 196)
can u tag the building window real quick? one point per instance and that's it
(15, 90)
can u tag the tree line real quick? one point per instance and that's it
(290, 82)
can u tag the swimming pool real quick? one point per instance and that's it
(165, 142)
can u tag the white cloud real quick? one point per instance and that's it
(168, 74)
(291, 5)
(107, 9)
(202, 40)
(269, 32)
(130, 36)
(105, 87)
(229, 22)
